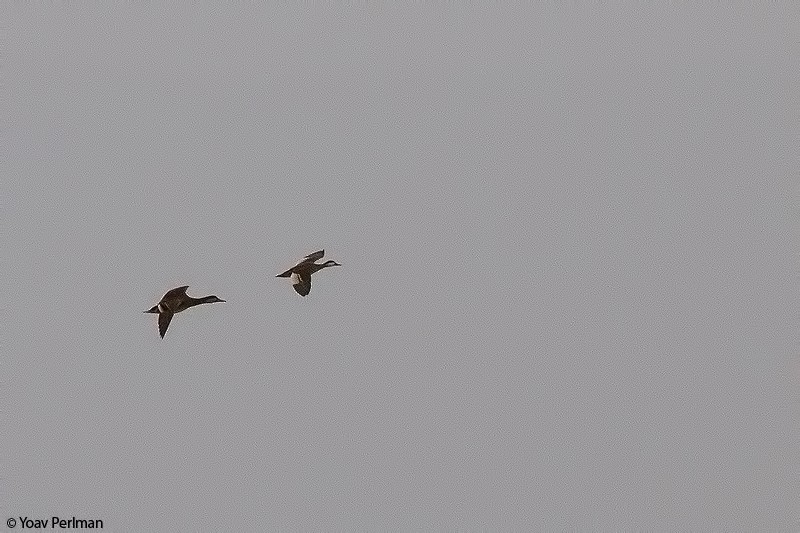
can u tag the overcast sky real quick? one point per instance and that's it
(568, 297)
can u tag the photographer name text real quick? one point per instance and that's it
(56, 522)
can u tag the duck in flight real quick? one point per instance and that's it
(176, 301)
(301, 272)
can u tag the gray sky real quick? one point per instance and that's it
(569, 292)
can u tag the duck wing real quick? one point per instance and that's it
(163, 322)
(180, 291)
(310, 258)
(301, 283)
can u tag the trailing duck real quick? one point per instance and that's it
(175, 301)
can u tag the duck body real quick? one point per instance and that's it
(301, 272)
(175, 301)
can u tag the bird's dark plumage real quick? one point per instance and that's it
(175, 301)
(301, 272)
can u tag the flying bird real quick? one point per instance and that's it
(175, 301)
(301, 272)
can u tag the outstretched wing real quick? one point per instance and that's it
(301, 283)
(310, 258)
(163, 321)
(180, 291)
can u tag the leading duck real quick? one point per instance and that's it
(175, 301)
(301, 272)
